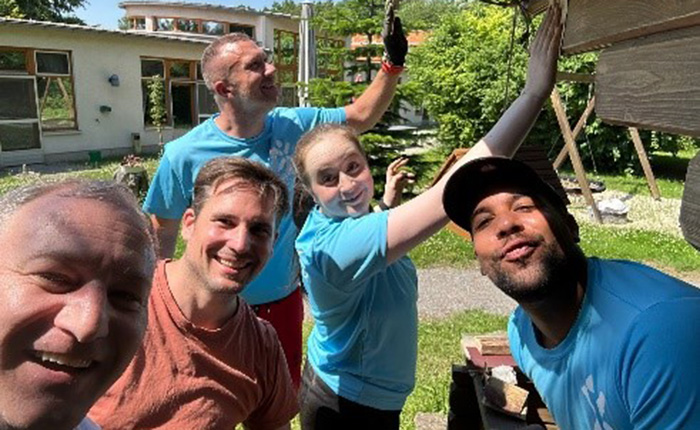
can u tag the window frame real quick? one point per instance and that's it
(168, 81)
(36, 120)
(38, 74)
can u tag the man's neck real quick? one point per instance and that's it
(199, 304)
(240, 124)
(555, 315)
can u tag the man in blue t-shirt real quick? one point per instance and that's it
(236, 70)
(609, 344)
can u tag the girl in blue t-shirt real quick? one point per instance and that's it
(362, 287)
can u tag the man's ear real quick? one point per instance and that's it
(573, 227)
(188, 219)
(222, 89)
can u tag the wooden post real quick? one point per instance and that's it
(653, 188)
(573, 153)
(579, 126)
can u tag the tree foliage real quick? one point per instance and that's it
(459, 76)
(42, 10)
(285, 6)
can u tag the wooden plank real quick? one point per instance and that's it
(583, 78)
(593, 24)
(644, 160)
(492, 344)
(652, 83)
(505, 397)
(536, 7)
(573, 153)
(579, 126)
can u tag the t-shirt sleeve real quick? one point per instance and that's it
(311, 117)
(350, 252)
(659, 373)
(279, 404)
(166, 196)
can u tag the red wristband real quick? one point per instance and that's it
(391, 69)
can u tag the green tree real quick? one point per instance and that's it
(42, 10)
(285, 6)
(426, 14)
(350, 17)
(460, 74)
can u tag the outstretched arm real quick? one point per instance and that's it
(368, 109)
(416, 220)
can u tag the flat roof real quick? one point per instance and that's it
(86, 28)
(205, 6)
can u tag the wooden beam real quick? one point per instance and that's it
(579, 126)
(652, 83)
(592, 24)
(644, 160)
(536, 7)
(583, 78)
(573, 152)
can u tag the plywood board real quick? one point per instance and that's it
(652, 83)
(592, 24)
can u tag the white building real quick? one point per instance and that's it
(68, 90)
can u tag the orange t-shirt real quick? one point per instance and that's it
(187, 377)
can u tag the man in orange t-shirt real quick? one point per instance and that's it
(207, 362)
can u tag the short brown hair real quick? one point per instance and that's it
(250, 173)
(210, 73)
(313, 136)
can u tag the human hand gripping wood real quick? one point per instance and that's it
(544, 52)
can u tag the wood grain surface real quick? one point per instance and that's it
(652, 83)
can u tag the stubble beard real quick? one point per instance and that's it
(542, 280)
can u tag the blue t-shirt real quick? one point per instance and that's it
(630, 361)
(364, 341)
(170, 192)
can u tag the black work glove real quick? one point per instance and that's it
(395, 43)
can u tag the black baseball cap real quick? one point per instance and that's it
(482, 177)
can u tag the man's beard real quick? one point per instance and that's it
(551, 274)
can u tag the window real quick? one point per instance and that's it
(19, 118)
(187, 100)
(213, 27)
(13, 62)
(55, 90)
(138, 23)
(180, 69)
(165, 24)
(286, 55)
(36, 94)
(239, 28)
(151, 70)
(188, 25)
(206, 104)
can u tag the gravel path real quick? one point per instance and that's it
(444, 291)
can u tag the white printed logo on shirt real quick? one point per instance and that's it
(599, 407)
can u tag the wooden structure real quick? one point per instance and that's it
(478, 401)
(648, 72)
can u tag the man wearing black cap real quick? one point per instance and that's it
(609, 344)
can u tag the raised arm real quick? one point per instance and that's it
(368, 109)
(416, 220)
